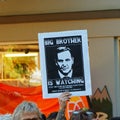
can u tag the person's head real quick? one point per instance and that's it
(75, 115)
(27, 110)
(64, 60)
(52, 116)
(90, 114)
(83, 115)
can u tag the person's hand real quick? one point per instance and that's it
(63, 98)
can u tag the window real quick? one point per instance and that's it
(19, 65)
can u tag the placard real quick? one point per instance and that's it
(65, 65)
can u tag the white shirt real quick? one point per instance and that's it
(62, 76)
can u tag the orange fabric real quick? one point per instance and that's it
(11, 96)
(76, 103)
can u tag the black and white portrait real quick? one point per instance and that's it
(64, 64)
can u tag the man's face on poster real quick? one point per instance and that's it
(64, 62)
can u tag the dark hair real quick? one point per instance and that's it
(52, 115)
(62, 49)
(90, 114)
(43, 116)
(83, 114)
(76, 115)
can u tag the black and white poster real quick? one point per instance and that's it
(64, 59)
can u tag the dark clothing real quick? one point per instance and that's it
(73, 84)
(54, 74)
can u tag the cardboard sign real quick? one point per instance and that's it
(64, 59)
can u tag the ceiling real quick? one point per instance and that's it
(27, 7)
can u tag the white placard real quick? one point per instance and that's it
(64, 63)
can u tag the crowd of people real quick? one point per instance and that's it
(28, 110)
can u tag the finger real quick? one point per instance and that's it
(65, 94)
